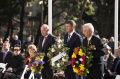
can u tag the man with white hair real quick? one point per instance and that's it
(45, 42)
(93, 45)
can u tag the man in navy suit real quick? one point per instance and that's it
(71, 40)
(45, 42)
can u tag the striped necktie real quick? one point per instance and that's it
(68, 39)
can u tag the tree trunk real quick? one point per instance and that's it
(22, 13)
(9, 29)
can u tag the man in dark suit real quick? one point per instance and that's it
(45, 42)
(94, 46)
(5, 55)
(16, 66)
(71, 40)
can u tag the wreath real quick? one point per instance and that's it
(81, 61)
(57, 53)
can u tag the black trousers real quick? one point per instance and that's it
(95, 72)
(47, 72)
(69, 74)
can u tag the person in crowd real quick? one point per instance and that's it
(27, 43)
(104, 41)
(1, 44)
(32, 52)
(7, 39)
(15, 41)
(108, 59)
(71, 40)
(45, 42)
(16, 65)
(95, 47)
(111, 44)
(5, 54)
(115, 69)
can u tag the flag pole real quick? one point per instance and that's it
(116, 24)
(50, 16)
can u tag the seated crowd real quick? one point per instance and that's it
(16, 57)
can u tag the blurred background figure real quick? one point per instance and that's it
(108, 59)
(111, 44)
(1, 44)
(27, 42)
(115, 69)
(7, 39)
(15, 41)
(104, 41)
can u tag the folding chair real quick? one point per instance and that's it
(31, 75)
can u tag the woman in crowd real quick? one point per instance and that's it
(32, 52)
